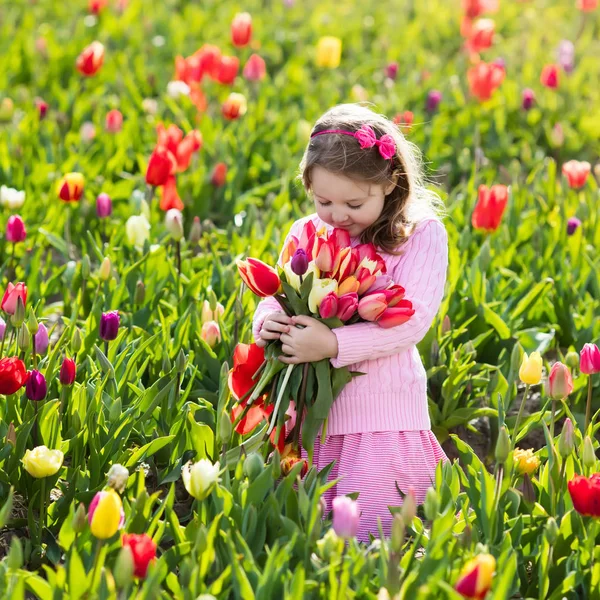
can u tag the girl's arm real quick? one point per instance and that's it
(422, 272)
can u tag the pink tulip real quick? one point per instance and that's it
(210, 333)
(15, 229)
(381, 283)
(255, 69)
(347, 305)
(560, 383)
(329, 306)
(589, 362)
(346, 516)
(371, 307)
(11, 295)
(394, 294)
(324, 257)
(392, 317)
(114, 121)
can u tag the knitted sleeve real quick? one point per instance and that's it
(269, 304)
(421, 270)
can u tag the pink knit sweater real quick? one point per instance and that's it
(392, 396)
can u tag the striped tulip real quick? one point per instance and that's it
(106, 515)
(371, 307)
(262, 279)
(396, 315)
(70, 187)
(560, 382)
(576, 173)
(90, 60)
(234, 107)
(476, 577)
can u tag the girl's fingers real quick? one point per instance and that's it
(287, 349)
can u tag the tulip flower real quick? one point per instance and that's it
(11, 198)
(391, 70)
(585, 494)
(476, 576)
(490, 207)
(12, 293)
(589, 364)
(347, 305)
(565, 440)
(549, 76)
(255, 68)
(90, 60)
(143, 550)
(484, 78)
(241, 29)
(13, 375)
(117, 477)
(405, 119)
(210, 333)
(170, 197)
(481, 35)
(2, 328)
(97, 6)
(36, 387)
(137, 230)
(566, 55)
(329, 52)
(299, 262)
(346, 516)
(15, 229)
(174, 223)
(290, 460)
(109, 325)
(200, 478)
(329, 306)
(219, 174)
(228, 70)
(320, 289)
(70, 187)
(41, 339)
(560, 382)
(528, 99)
(41, 462)
(525, 461)
(42, 108)
(573, 224)
(396, 315)
(434, 97)
(114, 121)
(587, 5)
(87, 131)
(576, 173)
(105, 514)
(262, 279)
(103, 206)
(530, 371)
(372, 306)
(208, 314)
(68, 371)
(234, 107)
(160, 165)
(325, 255)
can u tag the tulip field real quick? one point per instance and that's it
(148, 152)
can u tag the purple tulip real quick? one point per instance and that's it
(433, 99)
(299, 262)
(391, 70)
(41, 339)
(528, 98)
(572, 225)
(381, 282)
(566, 55)
(103, 206)
(346, 516)
(36, 388)
(109, 325)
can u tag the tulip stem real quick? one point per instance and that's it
(588, 406)
(96, 561)
(42, 508)
(286, 378)
(35, 424)
(68, 232)
(300, 406)
(4, 336)
(552, 419)
(282, 304)
(519, 416)
(178, 259)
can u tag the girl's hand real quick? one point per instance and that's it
(273, 326)
(313, 342)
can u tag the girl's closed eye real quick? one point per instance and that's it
(349, 206)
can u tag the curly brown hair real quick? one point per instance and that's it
(409, 201)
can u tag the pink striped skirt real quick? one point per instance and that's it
(372, 464)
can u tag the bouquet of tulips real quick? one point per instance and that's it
(321, 275)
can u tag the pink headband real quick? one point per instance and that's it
(367, 139)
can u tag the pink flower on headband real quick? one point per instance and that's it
(367, 139)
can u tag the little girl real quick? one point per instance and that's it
(379, 431)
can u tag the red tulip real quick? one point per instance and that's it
(475, 8)
(227, 70)
(576, 173)
(143, 550)
(114, 121)
(255, 69)
(347, 305)
(70, 187)
(585, 494)
(476, 577)
(170, 198)
(12, 293)
(560, 382)
(394, 295)
(234, 107)
(587, 5)
(90, 60)
(160, 165)
(329, 306)
(97, 6)
(13, 375)
(15, 229)
(262, 279)
(289, 461)
(549, 76)
(191, 143)
(219, 174)
(405, 119)
(484, 78)
(490, 206)
(307, 233)
(241, 29)
(396, 315)
(68, 371)
(589, 361)
(481, 35)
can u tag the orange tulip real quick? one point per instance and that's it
(234, 107)
(490, 207)
(587, 5)
(576, 173)
(348, 285)
(484, 78)
(262, 279)
(90, 60)
(549, 76)
(289, 249)
(70, 187)
(241, 29)
(219, 174)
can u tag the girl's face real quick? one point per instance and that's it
(346, 203)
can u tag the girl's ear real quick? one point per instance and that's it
(392, 184)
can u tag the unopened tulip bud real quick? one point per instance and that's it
(103, 206)
(565, 441)
(560, 383)
(19, 315)
(211, 333)
(195, 231)
(76, 341)
(166, 364)
(41, 339)
(299, 262)
(502, 446)
(446, 325)
(398, 528)
(551, 531)
(23, 338)
(589, 454)
(140, 293)
(86, 266)
(117, 477)
(409, 507)
(180, 361)
(225, 428)
(11, 435)
(572, 360)
(124, 567)
(253, 466)
(528, 489)
(432, 504)
(79, 522)
(32, 322)
(116, 410)
(174, 223)
(104, 272)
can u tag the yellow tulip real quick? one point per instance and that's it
(329, 52)
(106, 514)
(70, 187)
(525, 461)
(531, 368)
(293, 279)
(41, 462)
(320, 289)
